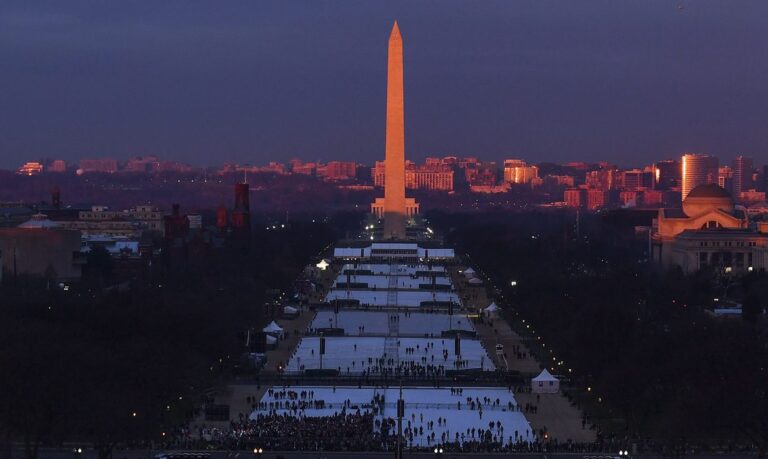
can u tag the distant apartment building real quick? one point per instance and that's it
(643, 198)
(725, 177)
(142, 164)
(31, 168)
(653, 198)
(743, 167)
(434, 176)
(518, 172)
(490, 189)
(338, 170)
(469, 161)
(300, 167)
(57, 165)
(605, 178)
(130, 223)
(575, 197)
(698, 169)
(275, 168)
(107, 165)
(514, 163)
(195, 221)
(483, 175)
(667, 174)
(559, 180)
(171, 166)
(751, 196)
(111, 228)
(630, 198)
(148, 217)
(598, 199)
(577, 165)
(377, 172)
(635, 179)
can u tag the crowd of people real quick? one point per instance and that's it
(419, 361)
(343, 431)
(295, 418)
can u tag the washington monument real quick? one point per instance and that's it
(395, 208)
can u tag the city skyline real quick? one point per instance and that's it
(218, 240)
(540, 81)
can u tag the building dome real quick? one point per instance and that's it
(709, 190)
(705, 198)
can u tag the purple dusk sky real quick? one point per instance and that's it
(251, 81)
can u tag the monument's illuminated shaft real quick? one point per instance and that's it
(394, 185)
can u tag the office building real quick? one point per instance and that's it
(698, 169)
(743, 167)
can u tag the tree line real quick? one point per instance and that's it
(637, 335)
(114, 363)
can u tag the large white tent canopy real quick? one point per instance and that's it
(545, 383)
(272, 328)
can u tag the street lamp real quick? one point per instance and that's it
(78, 452)
(438, 452)
(257, 452)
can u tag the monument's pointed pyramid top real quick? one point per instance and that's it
(395, 32)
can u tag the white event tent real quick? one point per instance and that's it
(492, 310)
(545, 383)
(273, 329)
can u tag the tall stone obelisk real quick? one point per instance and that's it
(394, 169)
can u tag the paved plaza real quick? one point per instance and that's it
(399, 270)
(368, 355)
(432, 416)
(381, 281)
(404, 298)
(362, 323)
(401, 327)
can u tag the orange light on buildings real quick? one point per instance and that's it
(30, 168)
